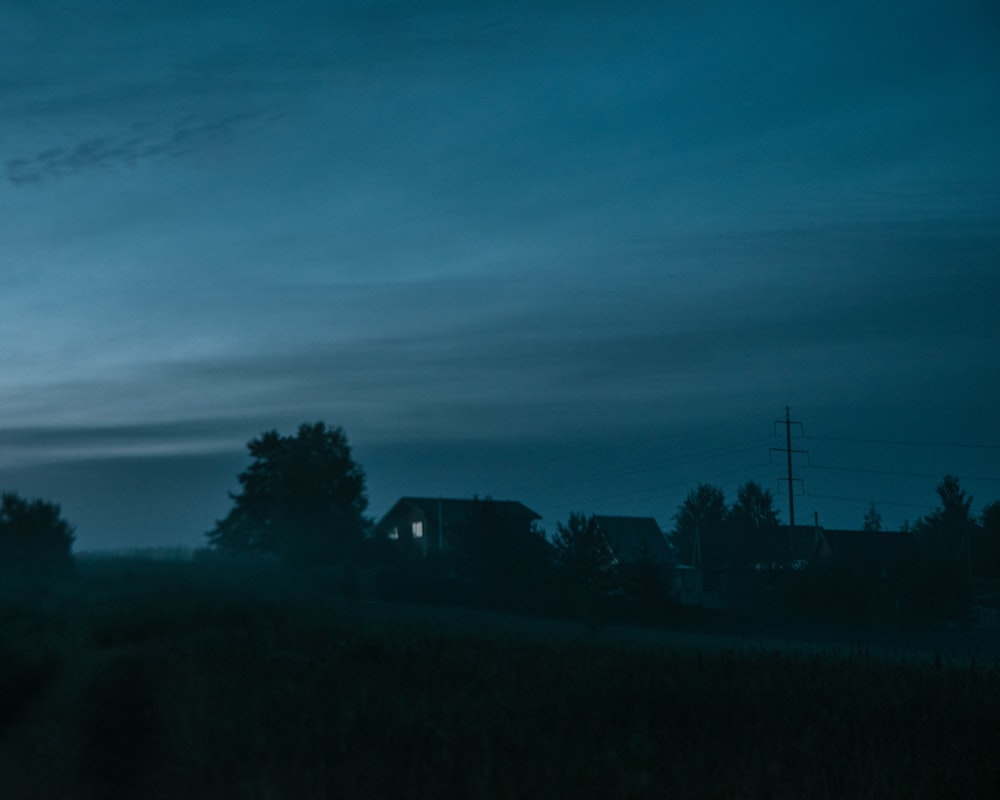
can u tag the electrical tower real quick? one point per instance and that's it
(787, 450)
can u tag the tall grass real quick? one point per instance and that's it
(142, 679)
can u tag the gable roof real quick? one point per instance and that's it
(636, 539)
(452, 511)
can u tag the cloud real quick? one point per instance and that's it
(61, 443)
(186, 136)
(695, 325)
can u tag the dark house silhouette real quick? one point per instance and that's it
(637, 541)
(875, 552)
(428, 521)
(799, 546)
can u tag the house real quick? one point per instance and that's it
(431, 522)
(637, 541)
(794, 547)
(878, 553)
(644, 556)
(704, 588)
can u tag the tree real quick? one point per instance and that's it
(33, 533)
(303, 498)
(945, 537)
(873, 520)
(583, 550)
(945, 533)
(986, 550)
(700, 527)
(752, 526)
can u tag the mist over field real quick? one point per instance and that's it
(225, 678)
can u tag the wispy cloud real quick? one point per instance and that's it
(186, 136)
(62, 443)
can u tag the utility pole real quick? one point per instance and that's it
(968, 548)
(791, 494)
(440, 530)
(787, 449)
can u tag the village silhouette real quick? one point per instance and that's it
(303, 503)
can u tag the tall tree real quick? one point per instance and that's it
(752, 526)
(303, 498)
(986, 550)
(945, 533)
(945, 538)
(699, 533)
(33, 533)
(873, 520)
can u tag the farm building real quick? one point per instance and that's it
(428, 522)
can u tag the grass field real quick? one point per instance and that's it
(133, 678)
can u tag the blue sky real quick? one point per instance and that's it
(584, 253)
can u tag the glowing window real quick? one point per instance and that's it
(418, 530)
(393, 535)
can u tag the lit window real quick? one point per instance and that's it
(393, 535)
(418, 530)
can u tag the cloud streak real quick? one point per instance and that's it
(186, 136)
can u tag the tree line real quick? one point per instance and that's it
(710, 533)
(303, 499)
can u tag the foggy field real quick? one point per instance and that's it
(132, 678)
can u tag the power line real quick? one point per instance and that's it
(903, 474)
(657, 491)
(868, 500)
(904, 442)
(600, 475)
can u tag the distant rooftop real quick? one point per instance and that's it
(637, 539)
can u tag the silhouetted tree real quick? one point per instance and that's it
(751, 526)
(700, 527)
(303, 498)
(873, 520)
(986, 550)
(590, 564)
(33, 533)
(945, 536)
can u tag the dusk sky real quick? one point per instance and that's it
(578, 254)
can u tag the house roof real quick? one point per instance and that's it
(803, 548)
(452, 510)
(636, 539)
(871, 547)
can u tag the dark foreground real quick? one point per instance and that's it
(139, 679)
